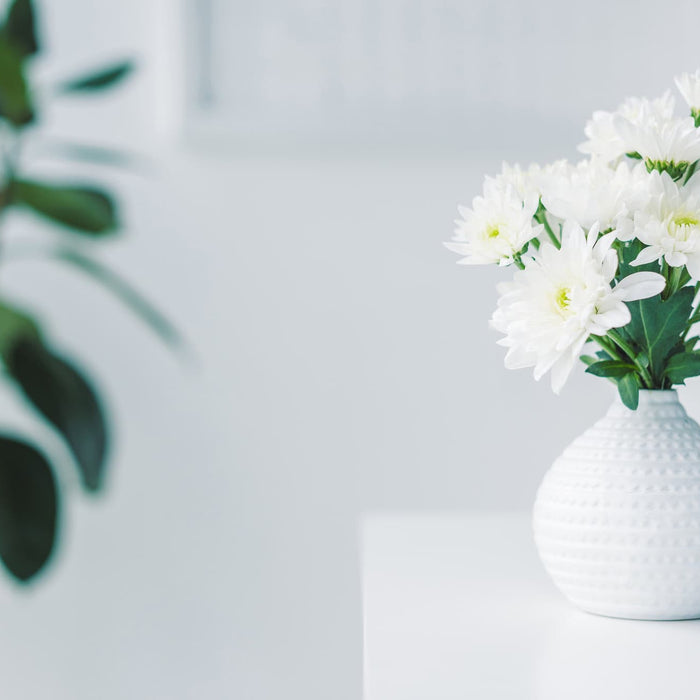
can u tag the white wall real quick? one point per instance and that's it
(344, 364)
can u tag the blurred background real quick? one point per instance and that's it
(298, 166)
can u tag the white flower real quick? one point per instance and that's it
(660, 142)
(496, 228)
(670, 226)
(594, 191)
(528, 182)
(604, 138)
(561, 297)
(688, 85)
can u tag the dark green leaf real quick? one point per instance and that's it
(628, 386)
(15, 102)
(610, 368)
(100, 79)
(20, 27)
(14, 326)
(28, 508)
(84, 209)
(657, 326)
(63, 396)
(682, 366)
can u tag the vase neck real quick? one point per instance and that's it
(651, 402)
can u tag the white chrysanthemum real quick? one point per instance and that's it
(496, 228)
(688, 85)
(527, 182)
(594, 191)
(670, 226)
(604, 138)
(523, 182)
(661, 142)
(561, 297)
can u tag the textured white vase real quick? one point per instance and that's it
(617, 517)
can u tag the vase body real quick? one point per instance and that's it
(617, 517)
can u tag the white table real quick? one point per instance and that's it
(460, 607)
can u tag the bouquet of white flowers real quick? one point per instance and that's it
(607, 250)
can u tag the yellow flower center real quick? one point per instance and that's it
(493, 232)
(562, 298)
(685, 220)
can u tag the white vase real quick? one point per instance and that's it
(617, 517)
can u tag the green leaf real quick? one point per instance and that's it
(14, 326)
(610, 368)
(28, 509)
(657, 326)
(20, 27)
(588, 360)
(84, 209)
(682, 366)
(15, 102)
(100, 79)
(628, 387)
(64, 397)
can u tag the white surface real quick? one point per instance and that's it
(459, 607)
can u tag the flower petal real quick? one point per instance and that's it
(604, 243)
(615, 317)
(639, 285)
(693, 265)
(675, 259)
(561, 369)
(647, 255)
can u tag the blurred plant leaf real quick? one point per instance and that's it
(122, 289)
(112, 281)
(84, 209)
(90, 154)
(100, 79)
(28, 508)
(15, 103)
(65, 398)
(14, 325)
(20, 27)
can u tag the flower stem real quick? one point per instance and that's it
(542, 218)
(622, 344)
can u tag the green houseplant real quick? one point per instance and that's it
(53, 386)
